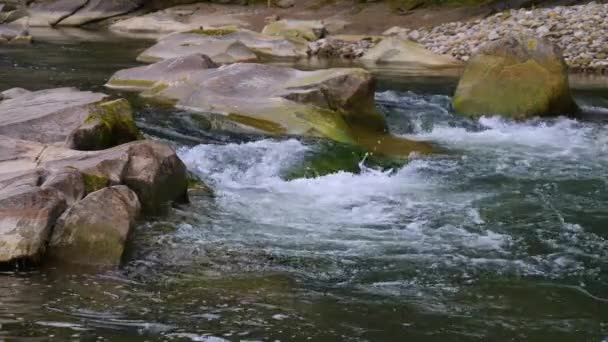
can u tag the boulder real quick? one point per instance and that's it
(86, 235)
(264, 45)
(156, 174)
(96, 10)
(297, 30)
(223, 51)
(407, 54)
(517, 77)
(337, 104)
(78, 119)
(51, 12)
(27, 214)
(149, 168)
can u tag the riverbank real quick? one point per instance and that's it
(580, 31)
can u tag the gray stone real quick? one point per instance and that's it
(87, 234)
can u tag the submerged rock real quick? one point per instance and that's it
(86, 235)
(518, 77)
(80, 120)
(408, 54)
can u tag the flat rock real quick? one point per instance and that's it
(223, 51)
(77, 119)
(336, 104)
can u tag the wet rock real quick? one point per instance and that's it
(517, 77)
(86, 235)
(297, 30)
(77, 119)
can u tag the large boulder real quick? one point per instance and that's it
(80, 120)
(337, 104)
(518, 77)
(96, 10)
(407, 54)
(86, 235)
(297, 30)
(222, 51)
(51, 12)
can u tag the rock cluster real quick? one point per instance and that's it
(74, 176)
(580, 31)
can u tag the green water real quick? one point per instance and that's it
(503, 238)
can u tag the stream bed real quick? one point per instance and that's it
(502, 237)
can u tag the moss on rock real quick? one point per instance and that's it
(109, 124)
(517, 77)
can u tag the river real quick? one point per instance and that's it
(502, 237)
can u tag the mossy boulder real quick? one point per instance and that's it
(518, 77)
(109, 124)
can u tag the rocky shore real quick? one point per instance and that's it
(580, 31)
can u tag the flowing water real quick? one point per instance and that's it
(503, 237)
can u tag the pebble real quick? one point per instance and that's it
(581, 32)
